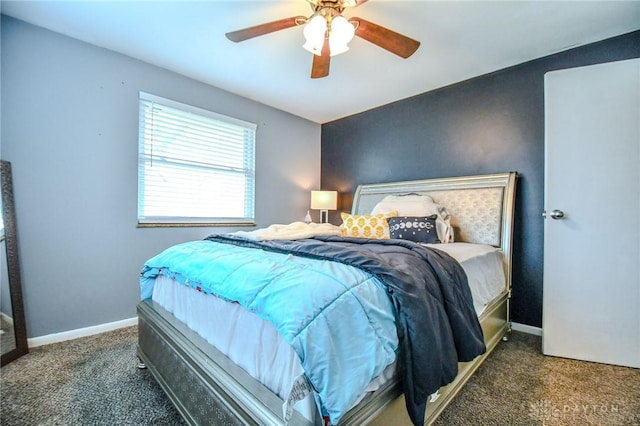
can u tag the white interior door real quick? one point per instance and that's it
(591, 300)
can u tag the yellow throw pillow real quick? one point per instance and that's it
(374, 227)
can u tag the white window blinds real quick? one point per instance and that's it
(194, 166)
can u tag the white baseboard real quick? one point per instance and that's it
(524, 328)
(81, 332)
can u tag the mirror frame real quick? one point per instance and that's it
(13, 265)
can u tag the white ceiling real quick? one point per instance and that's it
(459, 40)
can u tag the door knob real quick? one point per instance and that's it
(555, 214)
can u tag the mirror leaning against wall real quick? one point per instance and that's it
(13, 332)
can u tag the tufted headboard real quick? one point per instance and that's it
(481, 207)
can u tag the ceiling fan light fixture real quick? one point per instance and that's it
(314, 33)
(342, 32)
(327, 33)
(314, 48)
(337, 48)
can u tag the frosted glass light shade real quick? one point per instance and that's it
(314, 32)
(336, 48)
(342, 32)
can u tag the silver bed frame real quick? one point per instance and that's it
(209, 389)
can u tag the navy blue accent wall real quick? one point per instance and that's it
(489, 124)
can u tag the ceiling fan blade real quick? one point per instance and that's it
(387, 39)
(320, 67)
(262, 29)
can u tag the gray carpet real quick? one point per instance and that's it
(88, 381)
(517, 385)
(94, 381)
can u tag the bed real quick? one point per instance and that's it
(208, 388)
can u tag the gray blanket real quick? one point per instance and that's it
(436, 322)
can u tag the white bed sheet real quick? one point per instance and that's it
(251, 342)
(484, 267)
(256, 346)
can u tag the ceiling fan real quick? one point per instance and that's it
(327, 33)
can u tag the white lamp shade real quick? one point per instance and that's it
(342, 32)
(324, 200)
(337, 48)
(314, 32)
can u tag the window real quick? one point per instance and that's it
(195, 167)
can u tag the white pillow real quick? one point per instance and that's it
(405, 205)
(418, 205)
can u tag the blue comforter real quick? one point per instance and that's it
(334, 300)
(338, 319)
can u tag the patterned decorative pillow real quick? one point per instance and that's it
(414, 228)
(374, 227)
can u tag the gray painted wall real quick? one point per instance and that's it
(70, 129)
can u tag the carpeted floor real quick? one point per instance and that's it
(517, 385)
(95, 381)
(88, 381)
